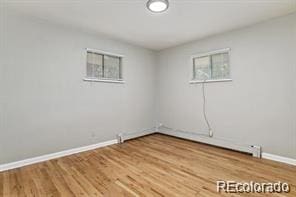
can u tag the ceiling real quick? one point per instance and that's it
(130, 21)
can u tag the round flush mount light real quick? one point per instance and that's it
(158, 6)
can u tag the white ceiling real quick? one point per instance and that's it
(130, 21)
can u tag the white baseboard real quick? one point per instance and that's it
(186, 135)
(132, 135)
(18, 164)
(30, 161)
(273, 157)
(219, 142)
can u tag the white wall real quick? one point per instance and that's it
(257, 107)
(46, 106)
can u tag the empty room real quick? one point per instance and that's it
(147, 98)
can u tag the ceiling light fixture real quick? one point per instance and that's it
(158, 6)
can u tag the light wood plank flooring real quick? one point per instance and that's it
(155, 165)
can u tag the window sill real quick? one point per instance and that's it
(209, 81)
(103, 80)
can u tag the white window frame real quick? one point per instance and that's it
(193, 81)
(100, 52)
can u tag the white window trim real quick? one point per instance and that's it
(208, 54)
(209, 81)
(105, 80)
(103, 52)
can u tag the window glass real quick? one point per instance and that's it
(101, 66)
(111, 67)
(220, 66)
(215, 67)
(202, 68)
(94, 65)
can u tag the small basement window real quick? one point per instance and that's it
(103, 67)
(211, 67)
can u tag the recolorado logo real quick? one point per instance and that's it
(252, 187)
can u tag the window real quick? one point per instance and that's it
(102, 66)
(212, 66)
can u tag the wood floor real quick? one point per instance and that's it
(155, 165)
